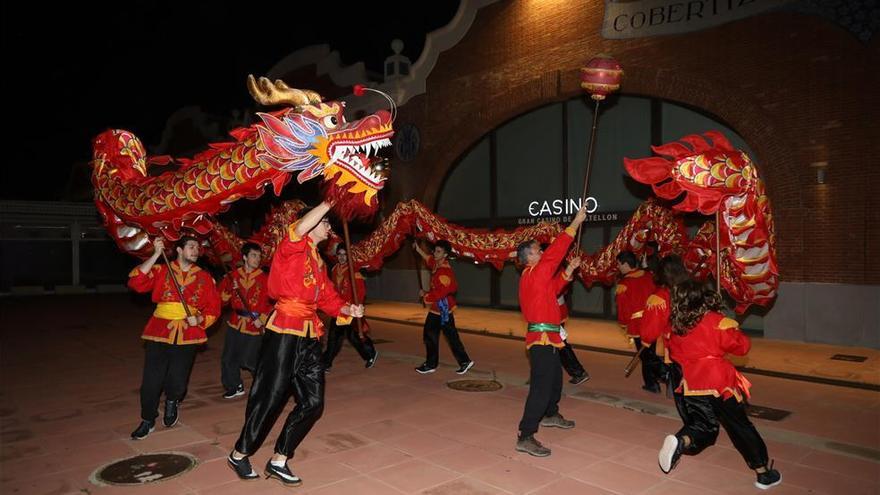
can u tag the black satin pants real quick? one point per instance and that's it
(166, 368)
(570, 362)
(338, 333)
(288, 365)
(702, 415)
(652, 364)
(431, 337)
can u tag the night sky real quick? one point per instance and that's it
(77, 68)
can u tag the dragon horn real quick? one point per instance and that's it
(265, 92)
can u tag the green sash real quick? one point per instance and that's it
(543, 327)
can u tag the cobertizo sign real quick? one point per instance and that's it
(641, 18)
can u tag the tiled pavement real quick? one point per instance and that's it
(68, 401)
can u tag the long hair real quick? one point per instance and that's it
(670, 272)
(691, 300)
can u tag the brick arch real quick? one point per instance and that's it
(735, 107)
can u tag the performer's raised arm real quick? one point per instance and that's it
(310, 219)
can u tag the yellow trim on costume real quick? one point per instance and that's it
(686, 391)
(291, 232)
(727, 324)
(136, 272)
(209, 320)
(620, 289)
(637, 314)
(545, 340)
(443, 279)
(308, 329)
(635, 273)
(170, 311)
(174, 339)
(655, 302)
(343, 320)
(570, 231)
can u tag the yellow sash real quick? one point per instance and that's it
(170, 311)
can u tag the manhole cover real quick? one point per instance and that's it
(145, 468)
(849, 357)
(475, 385)
(768, 413)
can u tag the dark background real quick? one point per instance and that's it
(75, 69)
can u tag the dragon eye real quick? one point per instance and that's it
(331, 122)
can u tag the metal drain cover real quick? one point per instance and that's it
(768, 413)
(144, 468)
(475, 385)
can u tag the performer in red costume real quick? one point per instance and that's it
(245, 289)
(441, 300)
(290, 361)
(714, 391)
(171, 336)
(633, 290)
(361, 341)
(539, 287)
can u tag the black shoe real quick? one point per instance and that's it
(143, 429)
(282, 474)
(578, 379)
(768, 478)
(171, 413)
(424, 369)
(242, 467)
(231, 394)
(465, 367)
(654, 389)
(372, 361)
(669, 454)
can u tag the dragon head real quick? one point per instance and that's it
(314, 139)
(707, 170)
(716, 177)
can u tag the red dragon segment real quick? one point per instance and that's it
(715, 177)
(309, 137)
(411, 219)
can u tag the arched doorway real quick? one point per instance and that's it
(528, 167)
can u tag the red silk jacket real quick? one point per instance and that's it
(701, 356)
(632, 293)
(443, 284)
(168, 323)
(299, 283)
(253, 287)
(539, 288)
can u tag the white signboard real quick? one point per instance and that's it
(642, 18)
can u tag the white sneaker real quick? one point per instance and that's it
(669, 454)
(465, 367)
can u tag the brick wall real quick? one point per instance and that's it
(797, 88)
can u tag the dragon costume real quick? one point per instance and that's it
(310, 138)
